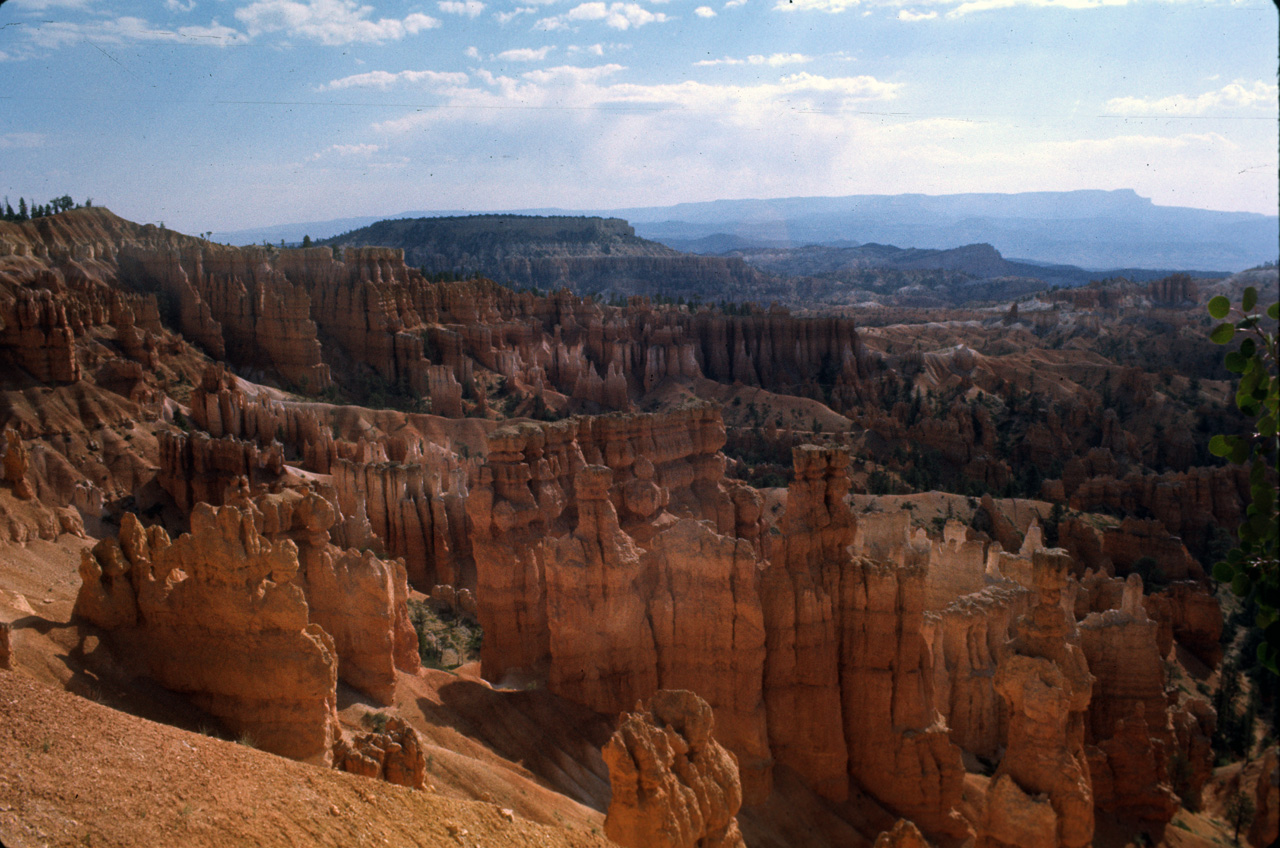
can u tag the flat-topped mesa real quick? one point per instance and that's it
(218, 614)
(1041, 794)
(673, 784)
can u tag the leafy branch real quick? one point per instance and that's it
(1253, 565)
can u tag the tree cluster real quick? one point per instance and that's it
(26, 212)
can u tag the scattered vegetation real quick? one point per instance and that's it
(36, 210)
(446, 639)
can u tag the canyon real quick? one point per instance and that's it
(635, 573)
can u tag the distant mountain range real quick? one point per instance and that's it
(605, 256)
(1089, 229)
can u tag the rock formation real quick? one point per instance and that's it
(812, 659)
(674, 786)
(1137, 733)
(15, 466)
(395, 755)
(1041, 793)
(219, 615)
(904, 834)
(359, 599)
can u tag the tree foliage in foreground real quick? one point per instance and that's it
(1253, 566)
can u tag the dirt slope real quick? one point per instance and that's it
(78, 773)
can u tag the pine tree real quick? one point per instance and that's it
(22, 209)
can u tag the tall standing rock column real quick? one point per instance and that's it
(1042, 795)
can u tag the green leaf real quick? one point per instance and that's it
(1222, 334)
(1273, 311)
(1239, 452)
(1250, 299)
(1223, 572)
(1248, 347)
(1219, 307)
(1235, 361)
(1219, 446)
(1240, 584)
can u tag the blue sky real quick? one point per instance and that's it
(227, 114)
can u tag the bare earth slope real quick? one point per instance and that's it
(78, 773)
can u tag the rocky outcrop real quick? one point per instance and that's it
(1196, 620)
(15, 466)
(673, 784)
(198, 468)
(904, 834)
(1142, 736)
(969, 641)
(416, 511)
(36, 331)
(1186, 503)
(1136, 538)
(1041, 793)
(359, 599)
(219, 615)
(812, 658)
(395, 755)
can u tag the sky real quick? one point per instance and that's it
(228, 114)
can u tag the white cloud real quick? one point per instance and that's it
(384, 80)
(593, 49)
(470, 8)
(705, 12)
(43, 5)
(830, 6)
(345, 150)
(616, 15)
(472, 53)
(988, 5)
(524, 54)
(776, 60)
(733, 4)
(179, 6)
(960, 7)
(1236, 95)
(505, 17)
(23, 140)
(590, 90)
(332, 22)
(126, 30)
